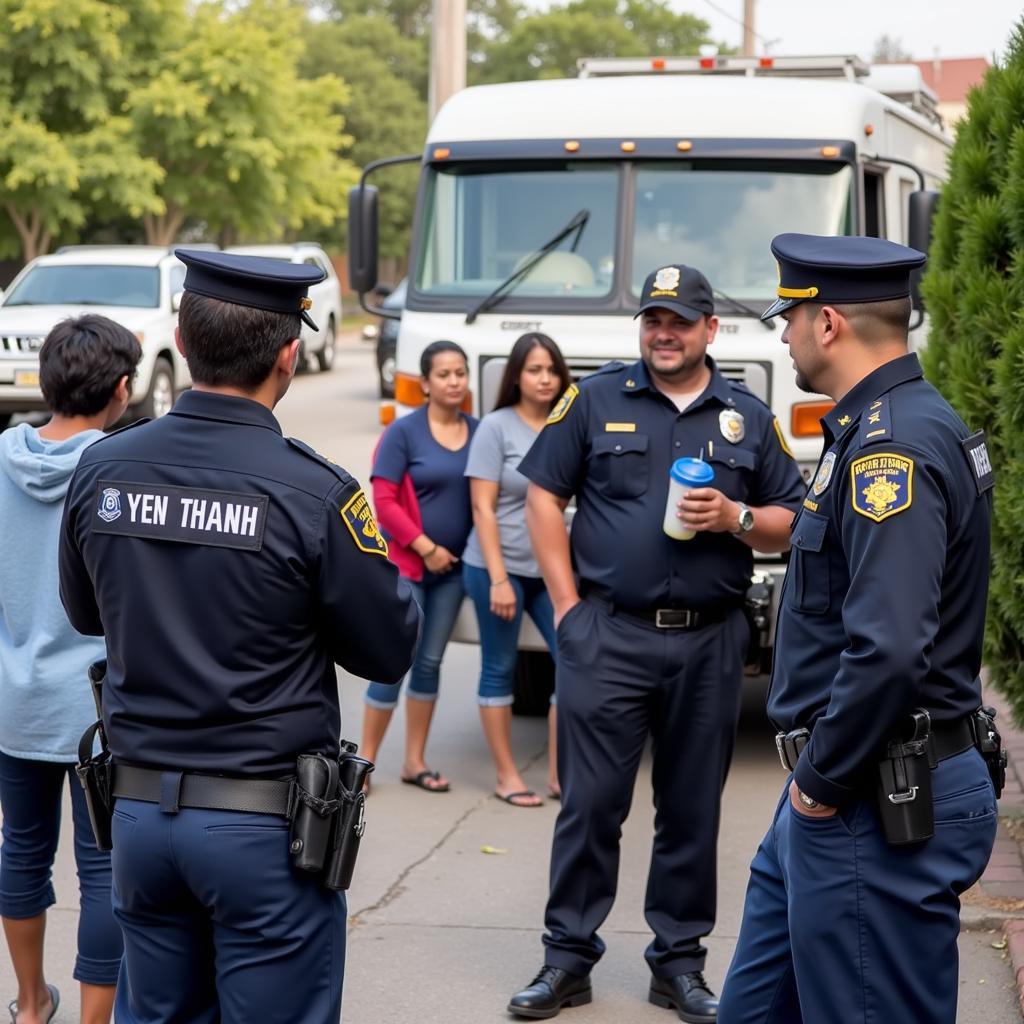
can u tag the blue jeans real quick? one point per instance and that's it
(439, 598)
(30, 796)
(499, 639)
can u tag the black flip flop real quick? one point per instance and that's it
(511, 798)
(420, 781)
(12, 1006)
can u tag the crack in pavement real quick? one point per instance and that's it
(397, 887)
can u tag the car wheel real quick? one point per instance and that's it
(325, 357)
(160, 399)
(386, 372)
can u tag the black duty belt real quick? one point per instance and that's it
(662, 618)
(947, 739)
(173, 790)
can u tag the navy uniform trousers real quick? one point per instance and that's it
(618, 682)
(194, 881)
(839, 926)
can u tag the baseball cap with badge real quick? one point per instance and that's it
(261, 282)
(681, 289)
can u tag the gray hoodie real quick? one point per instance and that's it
(45, 700)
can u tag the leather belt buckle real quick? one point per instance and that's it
(674, 618)
(789, 745)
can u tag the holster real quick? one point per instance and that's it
(316, 793)
(350, 821)
(96, 774)
(990, 746)
(904, 791)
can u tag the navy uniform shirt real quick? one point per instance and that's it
(229, 569)
(883, 607)
(611, 441)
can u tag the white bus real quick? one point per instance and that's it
(639, 163)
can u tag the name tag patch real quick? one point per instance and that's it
(881, 485)
(976, 450)
(187, 515)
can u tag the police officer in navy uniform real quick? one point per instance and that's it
(651, 631)
(879, 638)
(229, 568)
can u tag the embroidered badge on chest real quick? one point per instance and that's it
(730, 422)
(881, 485)
(824, 474)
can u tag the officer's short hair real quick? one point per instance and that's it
(872, 321)
(81, 362)
(232, 345)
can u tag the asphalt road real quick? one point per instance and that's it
(443, 932)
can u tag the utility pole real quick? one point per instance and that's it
(748, 28)
(447, 52)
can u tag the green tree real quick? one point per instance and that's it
(974, 288)
(65, 148)
(548, 44)
(385, 112)
(248, 147)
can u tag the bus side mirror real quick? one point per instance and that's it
(362, 238)
(920, 220)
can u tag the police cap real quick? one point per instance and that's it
(681, 289)
(838, 270)
(261, 282)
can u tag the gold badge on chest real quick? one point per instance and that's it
(730, 422)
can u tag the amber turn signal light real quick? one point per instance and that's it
(804, 417)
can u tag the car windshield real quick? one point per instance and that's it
(722, 217)
(87, 285)
(484, 222)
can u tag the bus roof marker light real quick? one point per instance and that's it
(572, 146)
(766, 62)
(442, 153)
(869, 129)
(830, 152)
(658, 64)
(684, 145)
(707, 63)
(628, 147)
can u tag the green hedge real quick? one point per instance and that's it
(974, 290)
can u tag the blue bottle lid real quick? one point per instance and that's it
(694, 472)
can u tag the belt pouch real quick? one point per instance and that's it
(904, 794)
(316, 784)
(350, 822)
(990, 746)
(95, 773)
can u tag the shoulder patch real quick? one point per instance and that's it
(358, 517)
(343, 475)
(976, 449)
(881, 485)
(875, 422)
(783, 444)
(564, 404)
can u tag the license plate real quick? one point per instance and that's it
(26, 378)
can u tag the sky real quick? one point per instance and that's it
(952, 28)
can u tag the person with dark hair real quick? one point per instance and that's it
(422, 499)
(888, 811)
(498, 566)
(86, 366)
(230, 568)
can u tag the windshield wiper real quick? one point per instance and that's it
(577, 224)
(742, 307)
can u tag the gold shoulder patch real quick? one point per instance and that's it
(358, 517)
(881, 485)
(782, 437)
(564, 404)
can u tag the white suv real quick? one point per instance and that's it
(138, 286)
(326, 296)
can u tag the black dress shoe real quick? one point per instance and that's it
(549, 992)
(688, 994)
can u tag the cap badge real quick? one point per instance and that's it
(824, 475)
(666, 282)
(730, 422)
(306, 303)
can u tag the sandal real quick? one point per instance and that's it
(420, 780)
(12, 1006)
(512, 798)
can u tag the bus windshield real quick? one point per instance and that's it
(721, 219)
(483, 222)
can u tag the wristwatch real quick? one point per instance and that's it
(746, 519)
(808, 801)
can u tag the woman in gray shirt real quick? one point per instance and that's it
(500, 573)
